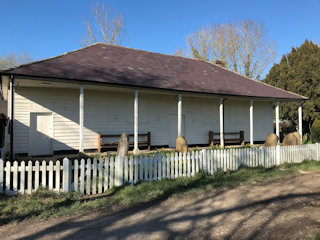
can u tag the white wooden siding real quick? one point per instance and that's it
(201, 116)
(237, 117)
(112, 113)
(22, 107)
(109, 112)
(262, 120)
(63, 103)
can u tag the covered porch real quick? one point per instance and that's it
(73, 115)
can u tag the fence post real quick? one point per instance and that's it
(278, 154)
(317, 146)
(119, 171)
(66, 175)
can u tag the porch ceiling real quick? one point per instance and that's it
(61, 83)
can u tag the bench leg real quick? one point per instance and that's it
(99, 142)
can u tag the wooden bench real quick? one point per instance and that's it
(114, 143)
(229, 137)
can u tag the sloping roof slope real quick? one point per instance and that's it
(104, 63)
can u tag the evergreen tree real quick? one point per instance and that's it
(299, 72)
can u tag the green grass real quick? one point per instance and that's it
(317, 237)
(44, 203)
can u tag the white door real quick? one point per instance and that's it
(40, 134)
(173, 118)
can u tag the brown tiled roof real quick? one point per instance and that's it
(108, 64)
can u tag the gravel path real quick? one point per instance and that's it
(282, 209)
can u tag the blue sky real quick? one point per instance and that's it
(46, 28)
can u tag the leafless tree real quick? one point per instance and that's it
(242, 46)
(179, 52)
(199, 43)
(107, 27)
(256, 51)
(12, 60)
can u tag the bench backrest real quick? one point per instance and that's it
(118, 135)
(116, 138)
(227, 135)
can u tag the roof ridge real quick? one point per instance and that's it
(166, 54)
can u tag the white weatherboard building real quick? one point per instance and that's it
(62, 103)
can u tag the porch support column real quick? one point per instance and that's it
(277, 121)
(300, 120)
(81, 117)
(179, 115)
(136, 122)
(11, 115)
(222, 122)
(251, 122)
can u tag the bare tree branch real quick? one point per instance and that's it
(179, 52)
(11, 60)
(241, 46)
(107, 27)
(199, 43)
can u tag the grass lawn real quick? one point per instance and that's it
(45, 204)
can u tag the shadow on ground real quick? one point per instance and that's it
(286, 209)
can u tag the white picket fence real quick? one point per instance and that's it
(94, 176)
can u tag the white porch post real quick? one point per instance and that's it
(81, 117)
(221, 122)
(300, 120)
(278, 134)
(277, 121)
(251, 122)
(136, 122)
(12, 91)
(179, 115)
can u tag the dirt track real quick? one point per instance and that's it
(284, 209)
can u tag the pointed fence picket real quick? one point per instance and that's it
(29, 181)
(82, 175)
(141, 164)
(150, 167)
(106, 173)
(92, 176)
(22, 177)
(100, 170)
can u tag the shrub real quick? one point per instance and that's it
(315, 131)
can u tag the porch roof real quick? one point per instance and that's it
(103, 63)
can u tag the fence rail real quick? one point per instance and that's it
(94, 176)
